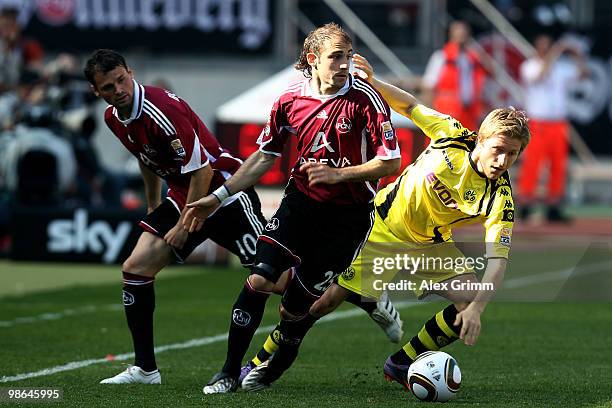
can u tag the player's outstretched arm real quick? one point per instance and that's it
(470, 316)
(374, 169)
(400, 101)
(255, 166)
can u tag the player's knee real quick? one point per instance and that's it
(138, 267)
(131, 266)
(281, 284)
(285, 315)
(259, 283)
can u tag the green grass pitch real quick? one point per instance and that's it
(529, 354)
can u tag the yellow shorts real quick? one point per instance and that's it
(387, 263)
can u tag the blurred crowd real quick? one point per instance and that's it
(47, 116)
(46, 127)
(466, 78)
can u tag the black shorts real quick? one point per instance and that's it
(235, 226)
(319, 240)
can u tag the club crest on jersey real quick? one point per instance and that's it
(469, 195)
(349, 273)
(387, 130)
(178, 147)
(343, 125)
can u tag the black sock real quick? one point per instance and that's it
(367, 304)
(246, 317)
(139, 304)
(292, 332)
(437, 332)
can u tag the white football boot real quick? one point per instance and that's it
(388, 318)
(221, 383)
(252, 382)
(134, 375)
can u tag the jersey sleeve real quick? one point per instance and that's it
(276, 132)
(381, 133)
(437, 125)
(499, 222)
(177, 122)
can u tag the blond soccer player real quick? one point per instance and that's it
(460, 178)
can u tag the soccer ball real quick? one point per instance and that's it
(434, 376)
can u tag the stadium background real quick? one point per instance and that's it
(229, 59)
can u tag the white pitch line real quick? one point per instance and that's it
(73, 365)
(511, 283)
(58, 315)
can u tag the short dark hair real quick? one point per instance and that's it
(102, 61)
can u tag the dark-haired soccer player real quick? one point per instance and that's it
(172, 143)
(461, 178)
(346, 143)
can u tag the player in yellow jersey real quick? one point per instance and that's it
(460, 178)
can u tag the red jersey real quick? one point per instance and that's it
(348, 128)
(167, 136)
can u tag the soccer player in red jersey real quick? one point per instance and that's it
(171, 143)
(345, 143)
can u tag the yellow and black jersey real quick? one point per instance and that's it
(443, 189)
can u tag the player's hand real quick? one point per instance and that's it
(469, 318)
(360, 63)
(320, 173)
(198, 212)
(176, 237)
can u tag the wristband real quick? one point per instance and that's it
(222, 193)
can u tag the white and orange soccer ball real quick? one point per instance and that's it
(434, 376)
